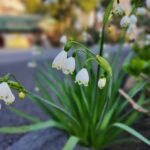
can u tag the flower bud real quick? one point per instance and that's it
(102, 82)
(21, 95)
(110, 29)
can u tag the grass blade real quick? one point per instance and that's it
(132, 132)
(107, 12)
(55, 107)
(71, 143)
(29, 128)
(24, 115)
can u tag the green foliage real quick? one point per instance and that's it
(143, 52)
(136, 3)
(70, 107)
(82, 121)
(71, 143)
(140, 63)
(133, 132)
(28, 128)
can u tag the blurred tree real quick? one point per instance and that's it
(66, 13)
(137, 2)
(87, 6)
(33, 6)
(55, 7)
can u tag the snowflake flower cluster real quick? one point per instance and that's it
(67, 65)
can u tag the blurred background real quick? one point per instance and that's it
(26, 24)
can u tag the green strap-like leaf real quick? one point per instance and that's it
(71, 143)
(107, 12)
(28, 128)
(138, 86)
(24, 115)
(132, 132)
(55, 107)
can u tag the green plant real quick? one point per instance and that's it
(89, 125)
(140, 63)
(93, 116)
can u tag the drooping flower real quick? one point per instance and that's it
(125, 21)
(6, 94)
(69, 65)
(132, 28)
(132, 31)
(133, 19)
(63, 39)
(148, 4)
(141, 11)
(82, 77)
(59, 60)
(119, 10)
(102, 82)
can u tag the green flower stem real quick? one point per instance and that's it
(13, 84)
(89, 59)
(5, 78)
(16, 86)
(84, 47)
(97, 58)
(98, 68)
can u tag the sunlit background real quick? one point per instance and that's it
(25, 24)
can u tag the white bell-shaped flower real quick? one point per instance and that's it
(102, 82)
(133, 19)
(6, 94)
(141, 11)
(119, 10)
(125, 21)
(82, 77)
(59, 60)
(69, 65)
(148, 4)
